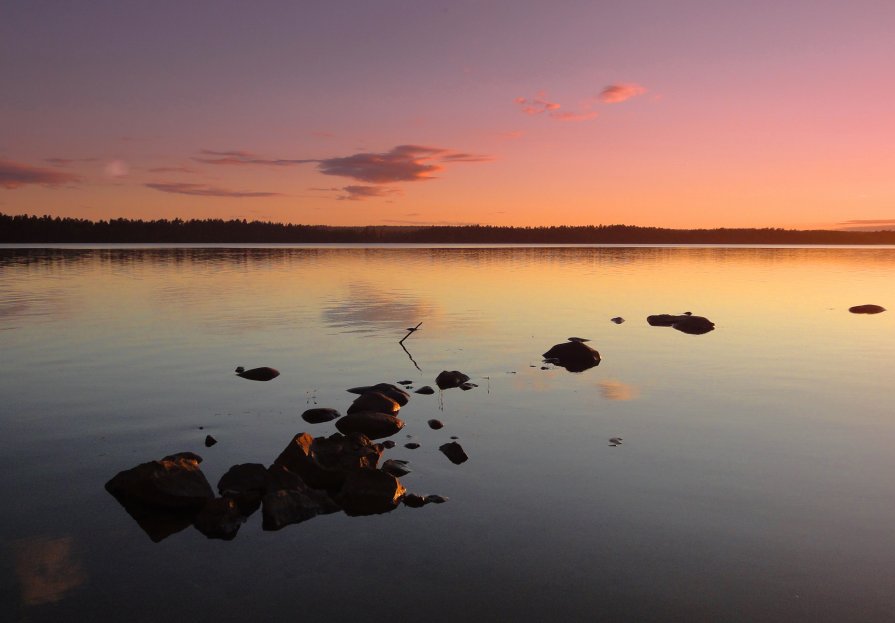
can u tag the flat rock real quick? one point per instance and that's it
(175, 482)
(413, 500)
(372, 424)
(374, 401)
(411, 445)
(866, 309)
(447, 379)
(686, 323)
(258, 374)
(436, 424)
(244, 478)
(395, 467)
(320, 415)
(436, 499)
(425, 389)
(394, 392)
(573, 356)
(617, 320)
(454, 452)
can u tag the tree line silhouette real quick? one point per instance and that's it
(49, 229)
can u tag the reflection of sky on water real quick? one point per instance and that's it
(611, 389)
(47, 569)
(368, 308)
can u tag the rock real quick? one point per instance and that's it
(573, 356)
(435, 424)
(454, 452)
(395, 467)
(436, 499)
(175, 482)
(389, 444)
(578, 339)
(413, 500)
(866, 309)
(405, 382)
(412, 445)
(258, 374)
(467, 386)
(220, 518)
(245, 484)
(686, 323)
(448, 379)
(287, 506)
(425, 389)
(369, 492)
(395, 393)
(320, 415)
(158, 523)
(372, 424)
(617, 320)
(374, 401)
(323, 461)
(454, 437)
(210, 441)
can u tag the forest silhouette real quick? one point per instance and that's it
(49, 229)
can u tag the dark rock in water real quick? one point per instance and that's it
(210, 441)
(374, 401)
(395, 467)
(617, 320)
(412, 445)
(686, 323)
(219, 519)
(866, 309)
(405, 382)
(436, 499)
(413, 500)
(245, 484)
(578, 339)
(258, 374)
(158, 523)
(392, 391)
(448, 379)
(320, 415)
(467, 386)
(544, 368)
(389, 444)
(174, 482)
(436, 424)
(287, 506)
(370, 492)
(454, 437)
(425, 389)
(573, 356)
(322, 462)
(372, 424)
(454, 452)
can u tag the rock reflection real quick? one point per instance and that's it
(47, 569)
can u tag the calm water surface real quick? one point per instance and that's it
(754, 482)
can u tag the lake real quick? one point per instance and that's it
(753, 483)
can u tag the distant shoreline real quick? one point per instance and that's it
(26, 229)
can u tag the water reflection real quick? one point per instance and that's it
(368, 308)
(47, 569)
(611, 389)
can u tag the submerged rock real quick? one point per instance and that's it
(425, 389)
(686, 323)
(866, 309)
(395, 467)
(372, 424)
(575, 356)
(447, 379)
(210, 441)
(617, 320)
(411, 445)
(287, 506)
(454, 452)
(174, 482)
(370, 492)
(374, 401)
(320, 415)
(258, 374)
(413, 500)
(220, 518)
(436, 499)
(436, 424)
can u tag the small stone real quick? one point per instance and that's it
(618, 320)
(392, 391)
(412, 445)
(414, 501)
(210, 441)
(580, 340)
(425, 389)
(388, 444)
(866, 309)
(454, 452)
(370, 492)
(436, 499)
(405, 382)
(374, 401)
(454, 437)
(448, 379)
(396, 468)
(258, 374)
(436, 424)
(220, 518)
(373, 425)
(320, 415)
(573, 356)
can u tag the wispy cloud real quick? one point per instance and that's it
(64, 162)
(172, 170)
(244, 158)
(615, 93)
(360, 193)
(15, 175)
(539, 105)
(203, 190)
(867, 224)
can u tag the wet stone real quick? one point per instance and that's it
(372, 424)
(617, 320)
(175, 482)
(447, 379)
(414, 501)
(374, 401)
(866, 309)
(412, 445)
(436, 499)
(454, 452)
(436, 424)
(320, 415)
(370, 492)
(396, 467)
(219, 519)
(388, 444)
(210, 441)
(573, 356)
(392, 391)
(425, 389)
(258, 374)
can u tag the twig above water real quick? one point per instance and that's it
(410, 331)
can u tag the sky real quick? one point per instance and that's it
(684, 114)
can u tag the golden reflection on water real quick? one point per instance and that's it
(611, 389)
(47, 569)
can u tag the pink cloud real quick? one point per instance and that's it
(360, 193)
(202, 190)
(615, 93)
(15, 175)
(536, 105)
(172, 170)
(574, 116)
(540, 105)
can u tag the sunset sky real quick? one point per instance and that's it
(675, 114)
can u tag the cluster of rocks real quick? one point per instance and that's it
(311, 476)
(686, 323)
